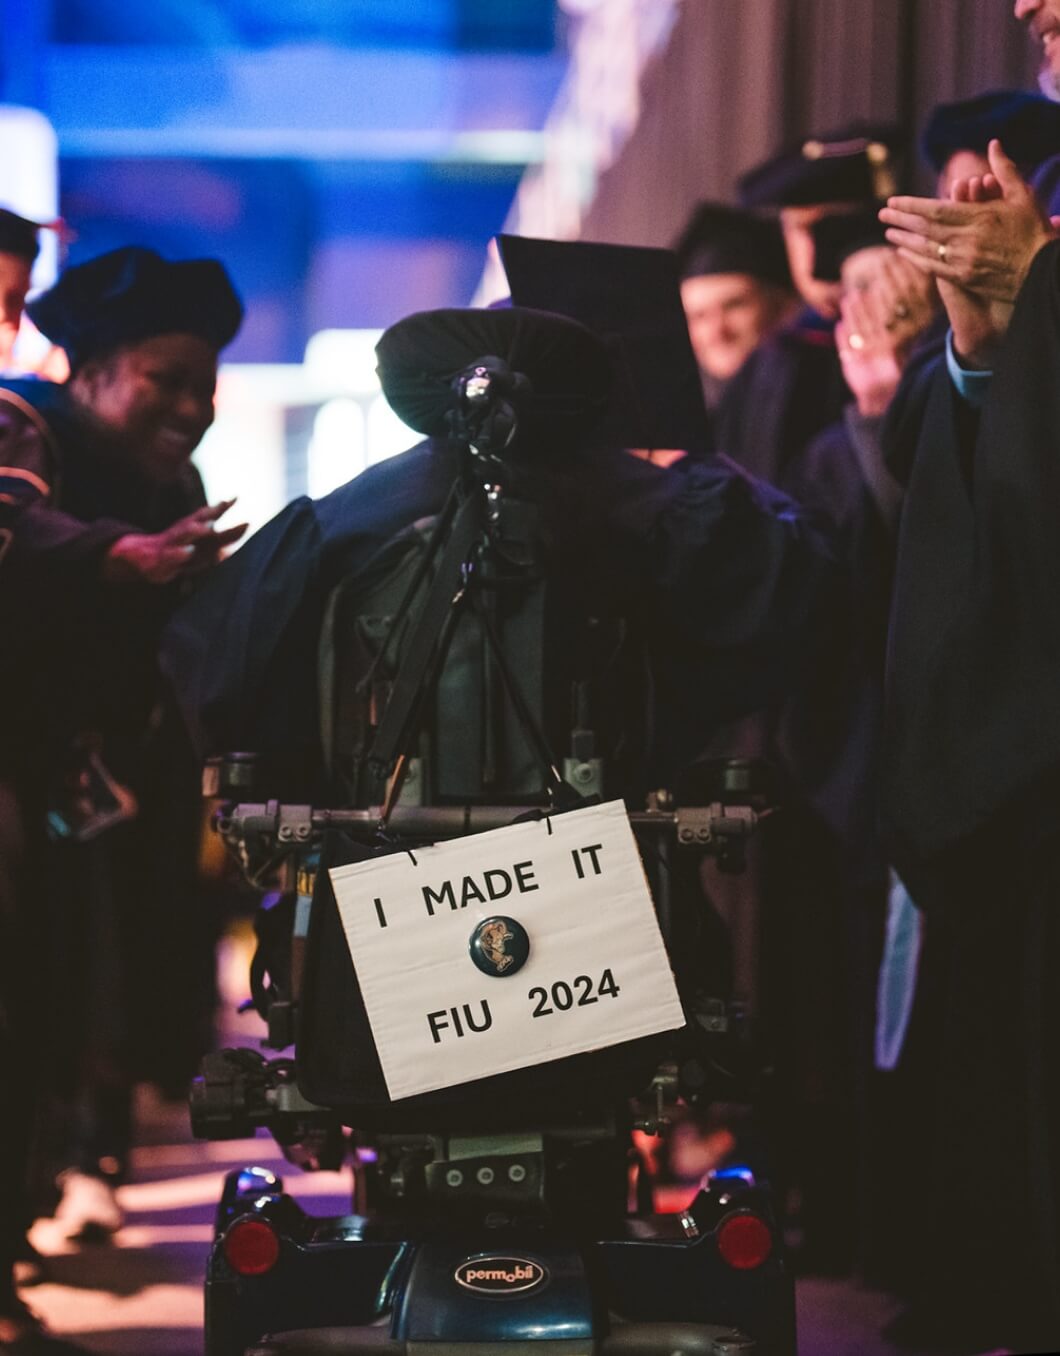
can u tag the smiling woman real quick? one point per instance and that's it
(142, 336)
(103, 513)
(154, 398)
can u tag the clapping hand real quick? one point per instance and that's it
(982, 239)
(879, 321)
(978, 246)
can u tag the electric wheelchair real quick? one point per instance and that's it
(461, 691)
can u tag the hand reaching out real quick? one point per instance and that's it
(188, 547)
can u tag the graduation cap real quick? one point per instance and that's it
(131, 294)
(837, 237)
(722, 239)
(18, 235)
(630, 296)
(1028, 125)
(555, 372)
(852, 164)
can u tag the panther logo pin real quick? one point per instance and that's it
(499, 946)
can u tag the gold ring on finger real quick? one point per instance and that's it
(942, 252)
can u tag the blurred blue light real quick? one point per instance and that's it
(734, 1172)
(348, 160)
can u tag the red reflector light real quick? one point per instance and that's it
(251, 1247)
(744, 1241)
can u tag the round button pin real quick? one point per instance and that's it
(499, 946)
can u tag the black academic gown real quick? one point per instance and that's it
(128, 986)
(78, 653)
(971, 800)
(726, 588)
(788, 390)
(727, 584)
(826, 959)
(806, 878)
(833, 736)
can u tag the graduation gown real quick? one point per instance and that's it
(78, 657)
(788, 391)
(971, 800)
(77, 653)
(973, 724)
(819, 878)
(728, 586)
(832, 737)
(814, 862)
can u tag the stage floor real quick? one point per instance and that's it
(142, 1295)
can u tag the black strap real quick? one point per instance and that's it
(434, 545)
(531, 728)
(415, 672)
(425, 654)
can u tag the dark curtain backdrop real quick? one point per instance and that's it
(739, 78)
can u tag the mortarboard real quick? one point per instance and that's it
(853, 164)
(630, 296)
(836, 237)
(1028, 125)
(131, 294)
(722, 239)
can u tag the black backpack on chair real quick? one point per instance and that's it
(472, 746)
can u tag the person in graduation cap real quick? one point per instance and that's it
(887, 307)
(723, 589)
(736, 289)
(807, 885)
(809, 867)
(19, 247)
(102, 518)
(972, 768)
(956, 136)
(888, 310)
(725, 583)
(793, 386)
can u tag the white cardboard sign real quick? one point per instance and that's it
(596, 973)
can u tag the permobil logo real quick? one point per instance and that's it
(500, 1275)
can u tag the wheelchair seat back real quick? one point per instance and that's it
(573, 671)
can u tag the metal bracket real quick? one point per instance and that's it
(585, 775)
(294, 822)
(704, 825)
